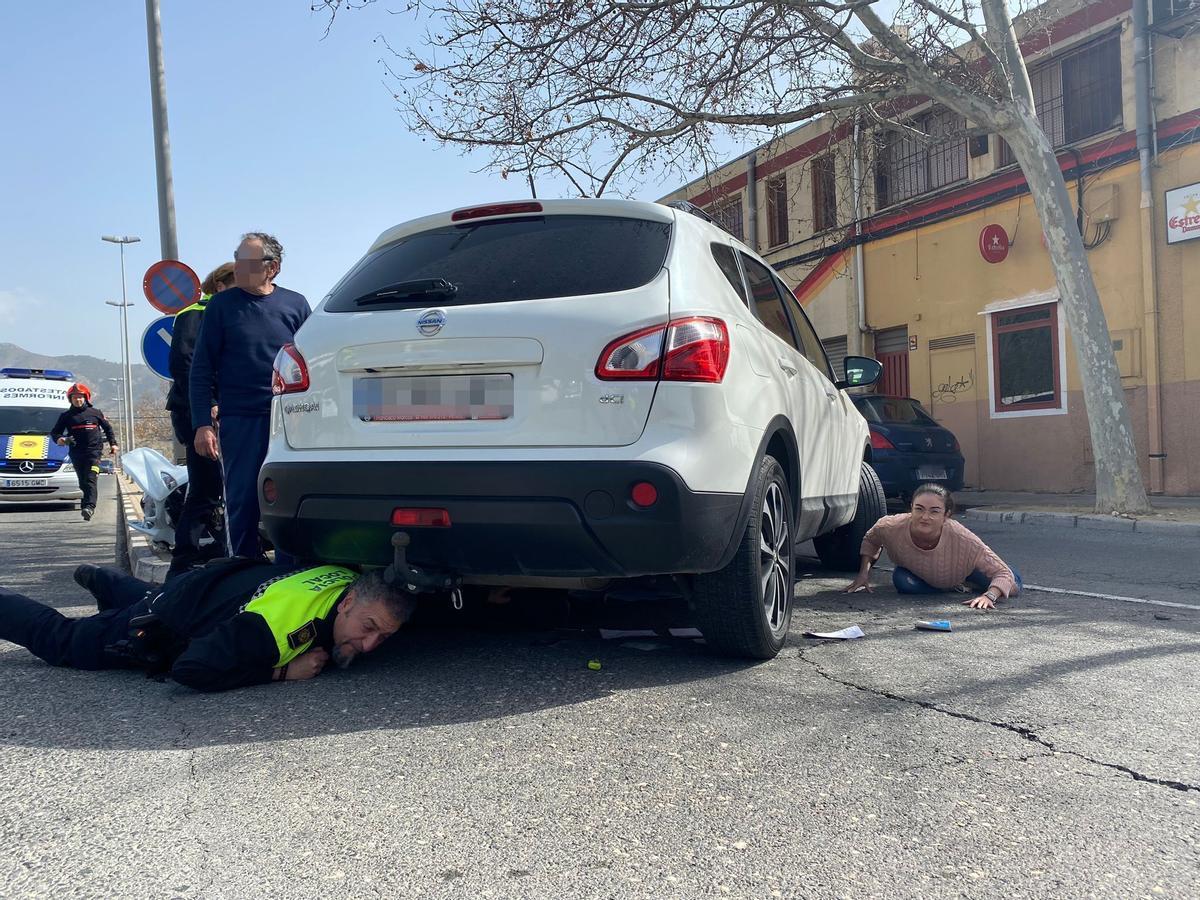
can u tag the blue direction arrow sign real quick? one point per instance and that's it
(156, 345)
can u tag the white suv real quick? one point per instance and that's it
(551, 392)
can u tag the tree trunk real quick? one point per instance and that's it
(1119, 486)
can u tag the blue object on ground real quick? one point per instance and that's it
(939, 625)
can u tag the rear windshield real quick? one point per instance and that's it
(27, 420)
(511, 259)
(894, 410)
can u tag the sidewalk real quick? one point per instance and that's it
(1178, 516)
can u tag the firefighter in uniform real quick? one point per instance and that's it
(202, 509)
(231, 623)
(85, 429)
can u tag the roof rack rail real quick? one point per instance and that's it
(689, 207)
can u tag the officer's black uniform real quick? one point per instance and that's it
(202, 509)
(86, 429)
(221, 646)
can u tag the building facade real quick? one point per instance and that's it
(928, 254)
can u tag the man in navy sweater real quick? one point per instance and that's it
(244, 327)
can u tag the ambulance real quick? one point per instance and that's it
(33, 468)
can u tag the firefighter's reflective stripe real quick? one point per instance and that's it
(292, 603)
(28, 446)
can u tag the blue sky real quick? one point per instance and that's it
(272, 128)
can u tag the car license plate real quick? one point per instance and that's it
(26, 482)
(931, 473)
(433, 398)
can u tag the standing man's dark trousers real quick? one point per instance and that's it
(243, 448)
(87, 470)
(202, 507)
(77, 643)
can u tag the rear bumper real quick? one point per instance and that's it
(549, 519)
(901, 471)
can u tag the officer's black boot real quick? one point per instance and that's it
(112, 588)
(40, 629)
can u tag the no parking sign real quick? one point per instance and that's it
(170, 285)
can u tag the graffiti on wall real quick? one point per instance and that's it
(948, 390)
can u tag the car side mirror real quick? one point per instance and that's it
(861, 371)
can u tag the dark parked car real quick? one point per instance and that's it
(908, 447)
(106, 466)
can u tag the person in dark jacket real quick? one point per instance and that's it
(85, 429)
(202, 511)
(244, 328)
(231, 623)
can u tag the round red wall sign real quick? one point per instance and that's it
(993, 243)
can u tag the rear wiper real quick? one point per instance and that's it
(417, 289)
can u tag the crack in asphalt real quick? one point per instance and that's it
(1019, 730)
(183, 743)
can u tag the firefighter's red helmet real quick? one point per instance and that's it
(80, 388)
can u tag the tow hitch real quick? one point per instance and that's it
(420, 581)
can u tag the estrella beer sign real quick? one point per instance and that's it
(1183, 214)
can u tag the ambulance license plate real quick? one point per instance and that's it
(26, 482)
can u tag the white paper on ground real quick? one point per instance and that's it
(610, 634)
(685, 632)
(845, 634)
(643, 645)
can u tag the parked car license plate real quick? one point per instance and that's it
(931, 473)
(433, 398)
(26, 482)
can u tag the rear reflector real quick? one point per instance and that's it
(415, 517)
(270, 493)
(644, 494)
(496, 209)
(691, 349)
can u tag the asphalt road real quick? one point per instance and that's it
(1046, 750)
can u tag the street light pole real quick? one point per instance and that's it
(126, 390)
(168, 242)
(121, 241)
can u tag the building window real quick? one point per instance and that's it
(908, 165)
(777, 211)
(1077, 95)
(728, 215)
(1026, 366)
(824, 184)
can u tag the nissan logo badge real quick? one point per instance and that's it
(431, 322)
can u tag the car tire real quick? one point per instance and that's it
(839, 549)
(745, 608)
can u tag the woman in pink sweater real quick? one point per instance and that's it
(933, 553)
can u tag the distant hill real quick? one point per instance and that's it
(91, 370)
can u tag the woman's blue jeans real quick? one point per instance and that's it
(908, 583)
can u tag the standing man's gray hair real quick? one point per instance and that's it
(272, 249)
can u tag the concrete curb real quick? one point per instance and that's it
(145, 561)
(1091, 522)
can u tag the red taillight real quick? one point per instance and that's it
(418, 517)
(644, 494)
(957, 448)
(290, 373)
(691, 349)
(495, 209)
(879, 442)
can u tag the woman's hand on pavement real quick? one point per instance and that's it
(862, 583)
(308, 665)
(983, 601)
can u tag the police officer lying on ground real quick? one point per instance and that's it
(231, 623)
